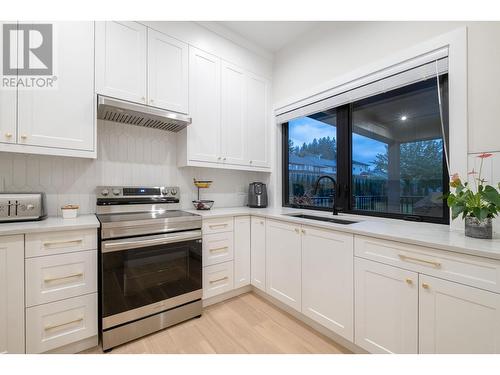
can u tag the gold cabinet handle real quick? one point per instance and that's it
(297, 230)
(24, 136)
(429, 262)
(262, 222)
(217, 280)
(143, 98)
(409, 281)
(215, 226)
(49, 279)
(46, 328)
(303, 231)
(251, 161)
(425, 286)
(51, 243)
(8, 135)
(218, 250)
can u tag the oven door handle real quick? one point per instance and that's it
(134, 243)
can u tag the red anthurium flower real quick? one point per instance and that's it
(484, 155)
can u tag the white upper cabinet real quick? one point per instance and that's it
(283, 262)
(456, 319)
(327, 279)
(63, 117)
(167, 72)
(258, 252)
(7, 103)
(386, 300)
(121, 60)
(257, 115)
(230, 111)
(203, 135)
(233, 134)
(12, 294)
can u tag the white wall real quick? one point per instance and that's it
(127, 155)
(334, 49)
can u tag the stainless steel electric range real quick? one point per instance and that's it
(150, 262)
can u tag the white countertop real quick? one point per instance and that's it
(50, 224)
(424, 234)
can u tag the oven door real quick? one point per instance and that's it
(145, 275)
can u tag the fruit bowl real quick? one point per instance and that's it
(203, 204)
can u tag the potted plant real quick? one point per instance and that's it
(478, 204)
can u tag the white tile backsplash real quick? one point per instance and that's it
(127, 155)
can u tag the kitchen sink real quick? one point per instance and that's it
(323, 218)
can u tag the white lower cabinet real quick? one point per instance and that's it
(12, 294)
(217, 279)
(455, 318)
(60, 323)
(386, 313)
(283, 262)
(258, 252)
(217, 248)
(241, 251)
(327, 279)
(57, 277)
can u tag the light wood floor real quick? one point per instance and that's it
(243, 324)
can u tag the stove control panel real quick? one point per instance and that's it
(125, 192)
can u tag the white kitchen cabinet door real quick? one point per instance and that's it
(386, 314)
(167, 72)
(204, 104)
(258, 252)
(457, 319)
(241, 251)
(283, 262)
(63, 116)
(121, 60)
(257, 115)
(327, 279)
(233, 131)
(12, 294)
(8, 98)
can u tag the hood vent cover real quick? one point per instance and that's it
(140, 115)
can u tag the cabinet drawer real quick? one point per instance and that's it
(40, 244)
(57, 277)
(217, 279)
(474, 271)
(217, 248)
(60, 323)
(224, 224)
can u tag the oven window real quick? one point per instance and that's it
(138, 277)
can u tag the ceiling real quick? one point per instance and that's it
(269, 35)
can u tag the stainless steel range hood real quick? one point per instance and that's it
(140, 115)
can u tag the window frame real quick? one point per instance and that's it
(343, 193)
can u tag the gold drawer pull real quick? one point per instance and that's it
(62, 324)
(409, 281)
(217, 280)
(425, 286)
(406, 257)
(215, 226)
(218, 250)
(49, 279)
(51, 243)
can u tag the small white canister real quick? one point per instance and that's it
(70, 211)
